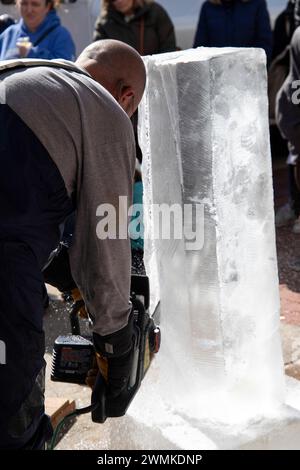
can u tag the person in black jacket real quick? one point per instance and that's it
(234, 23)
(5, 22)
(285, 24)
(142, 24)
(284, 27)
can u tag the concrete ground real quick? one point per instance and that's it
(288, 250)
(84, 434)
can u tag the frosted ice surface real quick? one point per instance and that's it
(205, 140)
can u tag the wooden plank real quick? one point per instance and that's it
(57, 408)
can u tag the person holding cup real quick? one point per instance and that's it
(38, 34)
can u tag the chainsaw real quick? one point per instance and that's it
(74, 354)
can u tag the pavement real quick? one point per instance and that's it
(288, 249)
(83, 434)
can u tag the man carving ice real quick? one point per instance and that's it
(65, 144)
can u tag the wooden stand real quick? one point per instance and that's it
(57, 408)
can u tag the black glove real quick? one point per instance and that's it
(114, 354)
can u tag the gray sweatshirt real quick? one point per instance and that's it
(90, 139)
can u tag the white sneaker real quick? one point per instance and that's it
(296, 226)
(284, 215)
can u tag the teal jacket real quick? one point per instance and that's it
(136, 226)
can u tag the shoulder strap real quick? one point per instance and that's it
(142, 32)
(44, 35)
(6, 65)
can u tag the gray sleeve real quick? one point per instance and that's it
(102, 268)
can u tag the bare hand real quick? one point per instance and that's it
(99, 364)
(24, 49)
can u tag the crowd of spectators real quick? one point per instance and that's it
(146, 26)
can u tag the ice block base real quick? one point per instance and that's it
(157, 428)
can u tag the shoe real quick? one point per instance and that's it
(296, 226)
(284, 215)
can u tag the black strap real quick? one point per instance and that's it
(43, 36)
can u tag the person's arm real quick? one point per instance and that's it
(60, 47)
(263, 37)
(101, 261)
(288, 99)
(288, 115)
(202, 37)
(100, 255)
(8, 48)
(165, 29)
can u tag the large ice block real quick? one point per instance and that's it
(205, 140)
(217, 382)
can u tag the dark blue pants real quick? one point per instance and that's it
(33, 205)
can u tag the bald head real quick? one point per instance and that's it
(119, 68)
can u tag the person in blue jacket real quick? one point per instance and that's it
(234, 23)
(38, 34)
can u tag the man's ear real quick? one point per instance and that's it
(125, 97)
(127, 100)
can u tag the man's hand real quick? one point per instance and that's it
(114, 355)
(24, 51)
(99, 366)
(24, 45)
(76, 296)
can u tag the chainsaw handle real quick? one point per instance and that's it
(99, 400)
